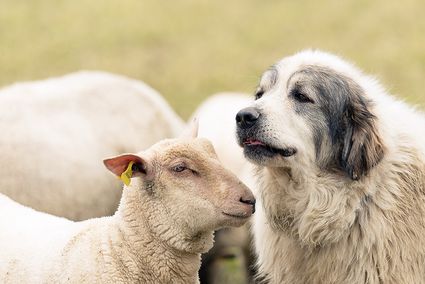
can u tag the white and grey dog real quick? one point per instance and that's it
(341, 175)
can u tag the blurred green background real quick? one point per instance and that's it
(190, 49)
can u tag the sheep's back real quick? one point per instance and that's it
(55, 134)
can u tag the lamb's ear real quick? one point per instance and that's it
(119, 164)
(192, 130)
(362, 145)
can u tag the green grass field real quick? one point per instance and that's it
(190, 49)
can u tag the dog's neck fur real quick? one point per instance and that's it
(318, 215)
(305, 205)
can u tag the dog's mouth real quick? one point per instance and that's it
(255, 146)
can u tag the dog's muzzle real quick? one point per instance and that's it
(257, 147)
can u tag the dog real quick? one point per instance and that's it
(340, 168)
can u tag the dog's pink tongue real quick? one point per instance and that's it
(253, 142)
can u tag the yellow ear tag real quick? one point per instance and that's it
(126, 176)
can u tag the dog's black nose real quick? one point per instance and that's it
(247, 117)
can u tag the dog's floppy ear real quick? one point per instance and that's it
(362, 145)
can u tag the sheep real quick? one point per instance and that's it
(55, 131)
(216, 117)
(178, 194)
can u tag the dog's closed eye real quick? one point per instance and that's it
(301, 97)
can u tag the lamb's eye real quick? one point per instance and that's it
(179, 168)
(300, 97)
(259, 94)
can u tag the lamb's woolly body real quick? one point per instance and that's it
(114, 249)
(314, 227)
(56, 132)
(178, 195)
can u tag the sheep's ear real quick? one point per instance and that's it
(362, 146)
(192, 130)
(119, 164)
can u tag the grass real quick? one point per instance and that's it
(189, 49)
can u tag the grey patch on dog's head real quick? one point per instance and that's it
(344, 128)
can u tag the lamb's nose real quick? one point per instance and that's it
(250, 201)
(247, 117)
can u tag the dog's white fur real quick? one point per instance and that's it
(343, 231)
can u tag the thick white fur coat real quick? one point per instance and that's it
(316, 227)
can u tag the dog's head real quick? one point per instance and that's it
(312, 108)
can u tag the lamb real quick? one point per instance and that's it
(178, 195)
(67, 125)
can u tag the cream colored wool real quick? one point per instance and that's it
(178, 196)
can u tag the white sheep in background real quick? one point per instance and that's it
(54, 132)
(178, 195)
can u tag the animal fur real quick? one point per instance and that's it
(341, 175)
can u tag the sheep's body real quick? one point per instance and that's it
(56, 132)
(165, 219)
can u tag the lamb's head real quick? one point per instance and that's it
(182, 192)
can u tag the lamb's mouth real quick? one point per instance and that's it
(237, 215)
(254, 147)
